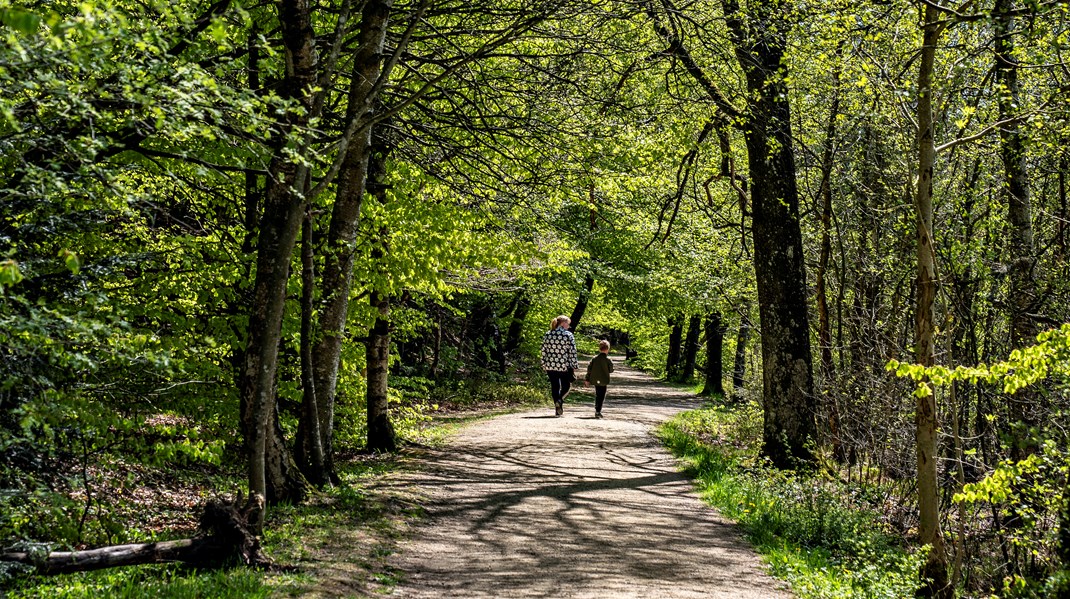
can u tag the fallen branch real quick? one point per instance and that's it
(225, 540)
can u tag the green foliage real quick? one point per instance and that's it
(1025, 367)
(825, 542)
(169, 582)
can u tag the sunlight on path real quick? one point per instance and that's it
(528, 505)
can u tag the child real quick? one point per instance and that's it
(598, 373)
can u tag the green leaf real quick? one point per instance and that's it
(20, 20)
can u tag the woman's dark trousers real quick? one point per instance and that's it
(559, 384)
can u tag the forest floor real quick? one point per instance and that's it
(529, 505)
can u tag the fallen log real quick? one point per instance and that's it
(225, 540)
(196, 551)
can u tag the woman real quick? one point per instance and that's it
(559, 360)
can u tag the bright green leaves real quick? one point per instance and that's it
(1024, 367)
(9, 273)
(21, 20)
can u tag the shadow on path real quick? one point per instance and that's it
(528, 506)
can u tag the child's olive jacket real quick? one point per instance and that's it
(598, 370)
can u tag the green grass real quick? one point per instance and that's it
(163, 582)
(807, 528)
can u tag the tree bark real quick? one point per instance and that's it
(672, 360)
(1016, 180)
(760, 40)
(381, 436)
(516, 324)
(1023, 294)
(739, 366)
(275, 244)
(934, 571)
(581, 302)
(309, 442)
(714, 350)
(824, 330)
(337, 279)
(694, 330)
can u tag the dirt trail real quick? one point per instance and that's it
(528, 505)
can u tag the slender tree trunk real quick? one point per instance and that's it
(760, 39)
(824, 329)
(672, 360)
(309, 442)
(581, 302)
(275, 244)
(739, 366)
(516, 324)
(934, 571)
(345, 219)
(694, 330)
(714, 350)
(1023, 296)
(1063, 250)
(381, 436)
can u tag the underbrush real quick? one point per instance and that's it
(813, 531)
(352, 527)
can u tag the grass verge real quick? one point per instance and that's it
(811, 531)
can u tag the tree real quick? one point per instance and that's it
(934, 572)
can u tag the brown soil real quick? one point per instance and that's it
(529, 505)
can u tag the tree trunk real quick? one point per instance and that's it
(275, 243)
(694, 330)
(516, 325)
(934, 571)
(760, 39)
(714, 350)
(345, 219)
(824, 329)
(1016, 181)
(672, 360)
(309, 442)
(739, 367)
(581, 302)
(381, 436)
(1023, 294)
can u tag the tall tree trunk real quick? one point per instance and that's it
(739, 366)
(1023, 295)
(516, 324)
(345, 219)
(934, 571)
(672, 360)
(381, 435)
(714, 350)
(309, 442)
(824, 329)
(581, 302)
(1063, 249)
(694, 330)
(275, 244)
(1016, 181)
(760, 40)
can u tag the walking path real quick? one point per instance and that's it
(529, 505)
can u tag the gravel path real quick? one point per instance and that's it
(528, 505)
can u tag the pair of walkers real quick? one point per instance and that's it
(560, 363)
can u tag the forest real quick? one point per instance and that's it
(245, 246)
